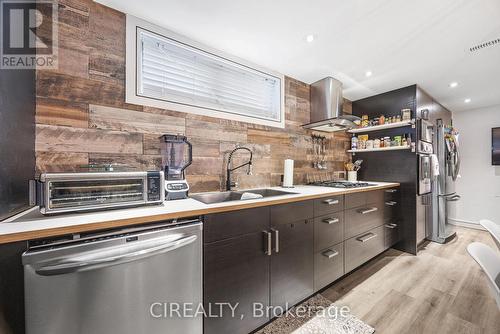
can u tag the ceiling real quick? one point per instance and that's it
(401, 42)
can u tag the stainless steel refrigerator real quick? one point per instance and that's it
(446, 147)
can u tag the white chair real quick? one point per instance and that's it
(493, 228)
(489, 261)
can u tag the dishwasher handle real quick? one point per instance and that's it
(69, 266)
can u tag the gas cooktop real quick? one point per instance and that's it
(341, 184)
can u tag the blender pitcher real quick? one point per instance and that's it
(177, 155)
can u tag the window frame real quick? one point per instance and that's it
(132, 80)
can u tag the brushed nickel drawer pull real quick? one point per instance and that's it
(366, 237)
(330, 221)
(391, 203)
(391, 191)
(365, 211)
(331, 201)
(391, 226)
(268, 243)
(330, 253)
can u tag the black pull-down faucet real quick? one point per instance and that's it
(229, 183)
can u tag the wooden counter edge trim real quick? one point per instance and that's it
(52, 232)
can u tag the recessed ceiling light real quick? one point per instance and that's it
(310, 38)
(467, 100)
(453, 84)
(368, 73)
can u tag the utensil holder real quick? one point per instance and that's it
(352, 176)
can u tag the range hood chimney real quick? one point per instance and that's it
(326, 107)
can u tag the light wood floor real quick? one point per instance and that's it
(441, 290)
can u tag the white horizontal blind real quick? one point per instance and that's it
(175, 72)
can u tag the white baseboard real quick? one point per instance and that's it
(466, 223)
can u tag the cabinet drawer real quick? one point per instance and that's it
(328, 265)
(355, 200)
(363, 247)
(331, 204)
(328, 230)
(375, 196)
(225, 225)
(392, 234)
(363, 198)
(291, 212)
(362, 219)
(391, 210)
(391, 194)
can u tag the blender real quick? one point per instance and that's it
(177, 155)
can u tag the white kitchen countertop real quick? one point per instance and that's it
(32, 224)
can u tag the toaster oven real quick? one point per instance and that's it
(71, 192)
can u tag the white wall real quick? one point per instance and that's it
(479, 184)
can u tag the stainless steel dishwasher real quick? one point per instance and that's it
(117, 282)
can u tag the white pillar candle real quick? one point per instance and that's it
(288, 174)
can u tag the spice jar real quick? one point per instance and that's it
(406, 114)
(381, 120)
(354, 143)
(364, 121)
(387, 141)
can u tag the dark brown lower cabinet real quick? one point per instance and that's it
(328, 265)
(363, 247)
(392, 218)
(392, 234)
(279, 255)
(236, 270)
(292, 262)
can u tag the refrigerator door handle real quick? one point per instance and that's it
(453, 198)
(447, 195)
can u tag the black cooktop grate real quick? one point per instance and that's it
(341, 184)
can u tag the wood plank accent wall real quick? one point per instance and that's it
(82, 116)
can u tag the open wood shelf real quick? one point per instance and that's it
(382, 127)
(381, 149)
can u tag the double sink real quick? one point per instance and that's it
(229, 196)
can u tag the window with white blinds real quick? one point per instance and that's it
(175, 72)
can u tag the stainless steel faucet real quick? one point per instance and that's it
(229, 183)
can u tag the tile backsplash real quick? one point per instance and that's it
(82, 117)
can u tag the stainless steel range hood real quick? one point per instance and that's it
(326, 107)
